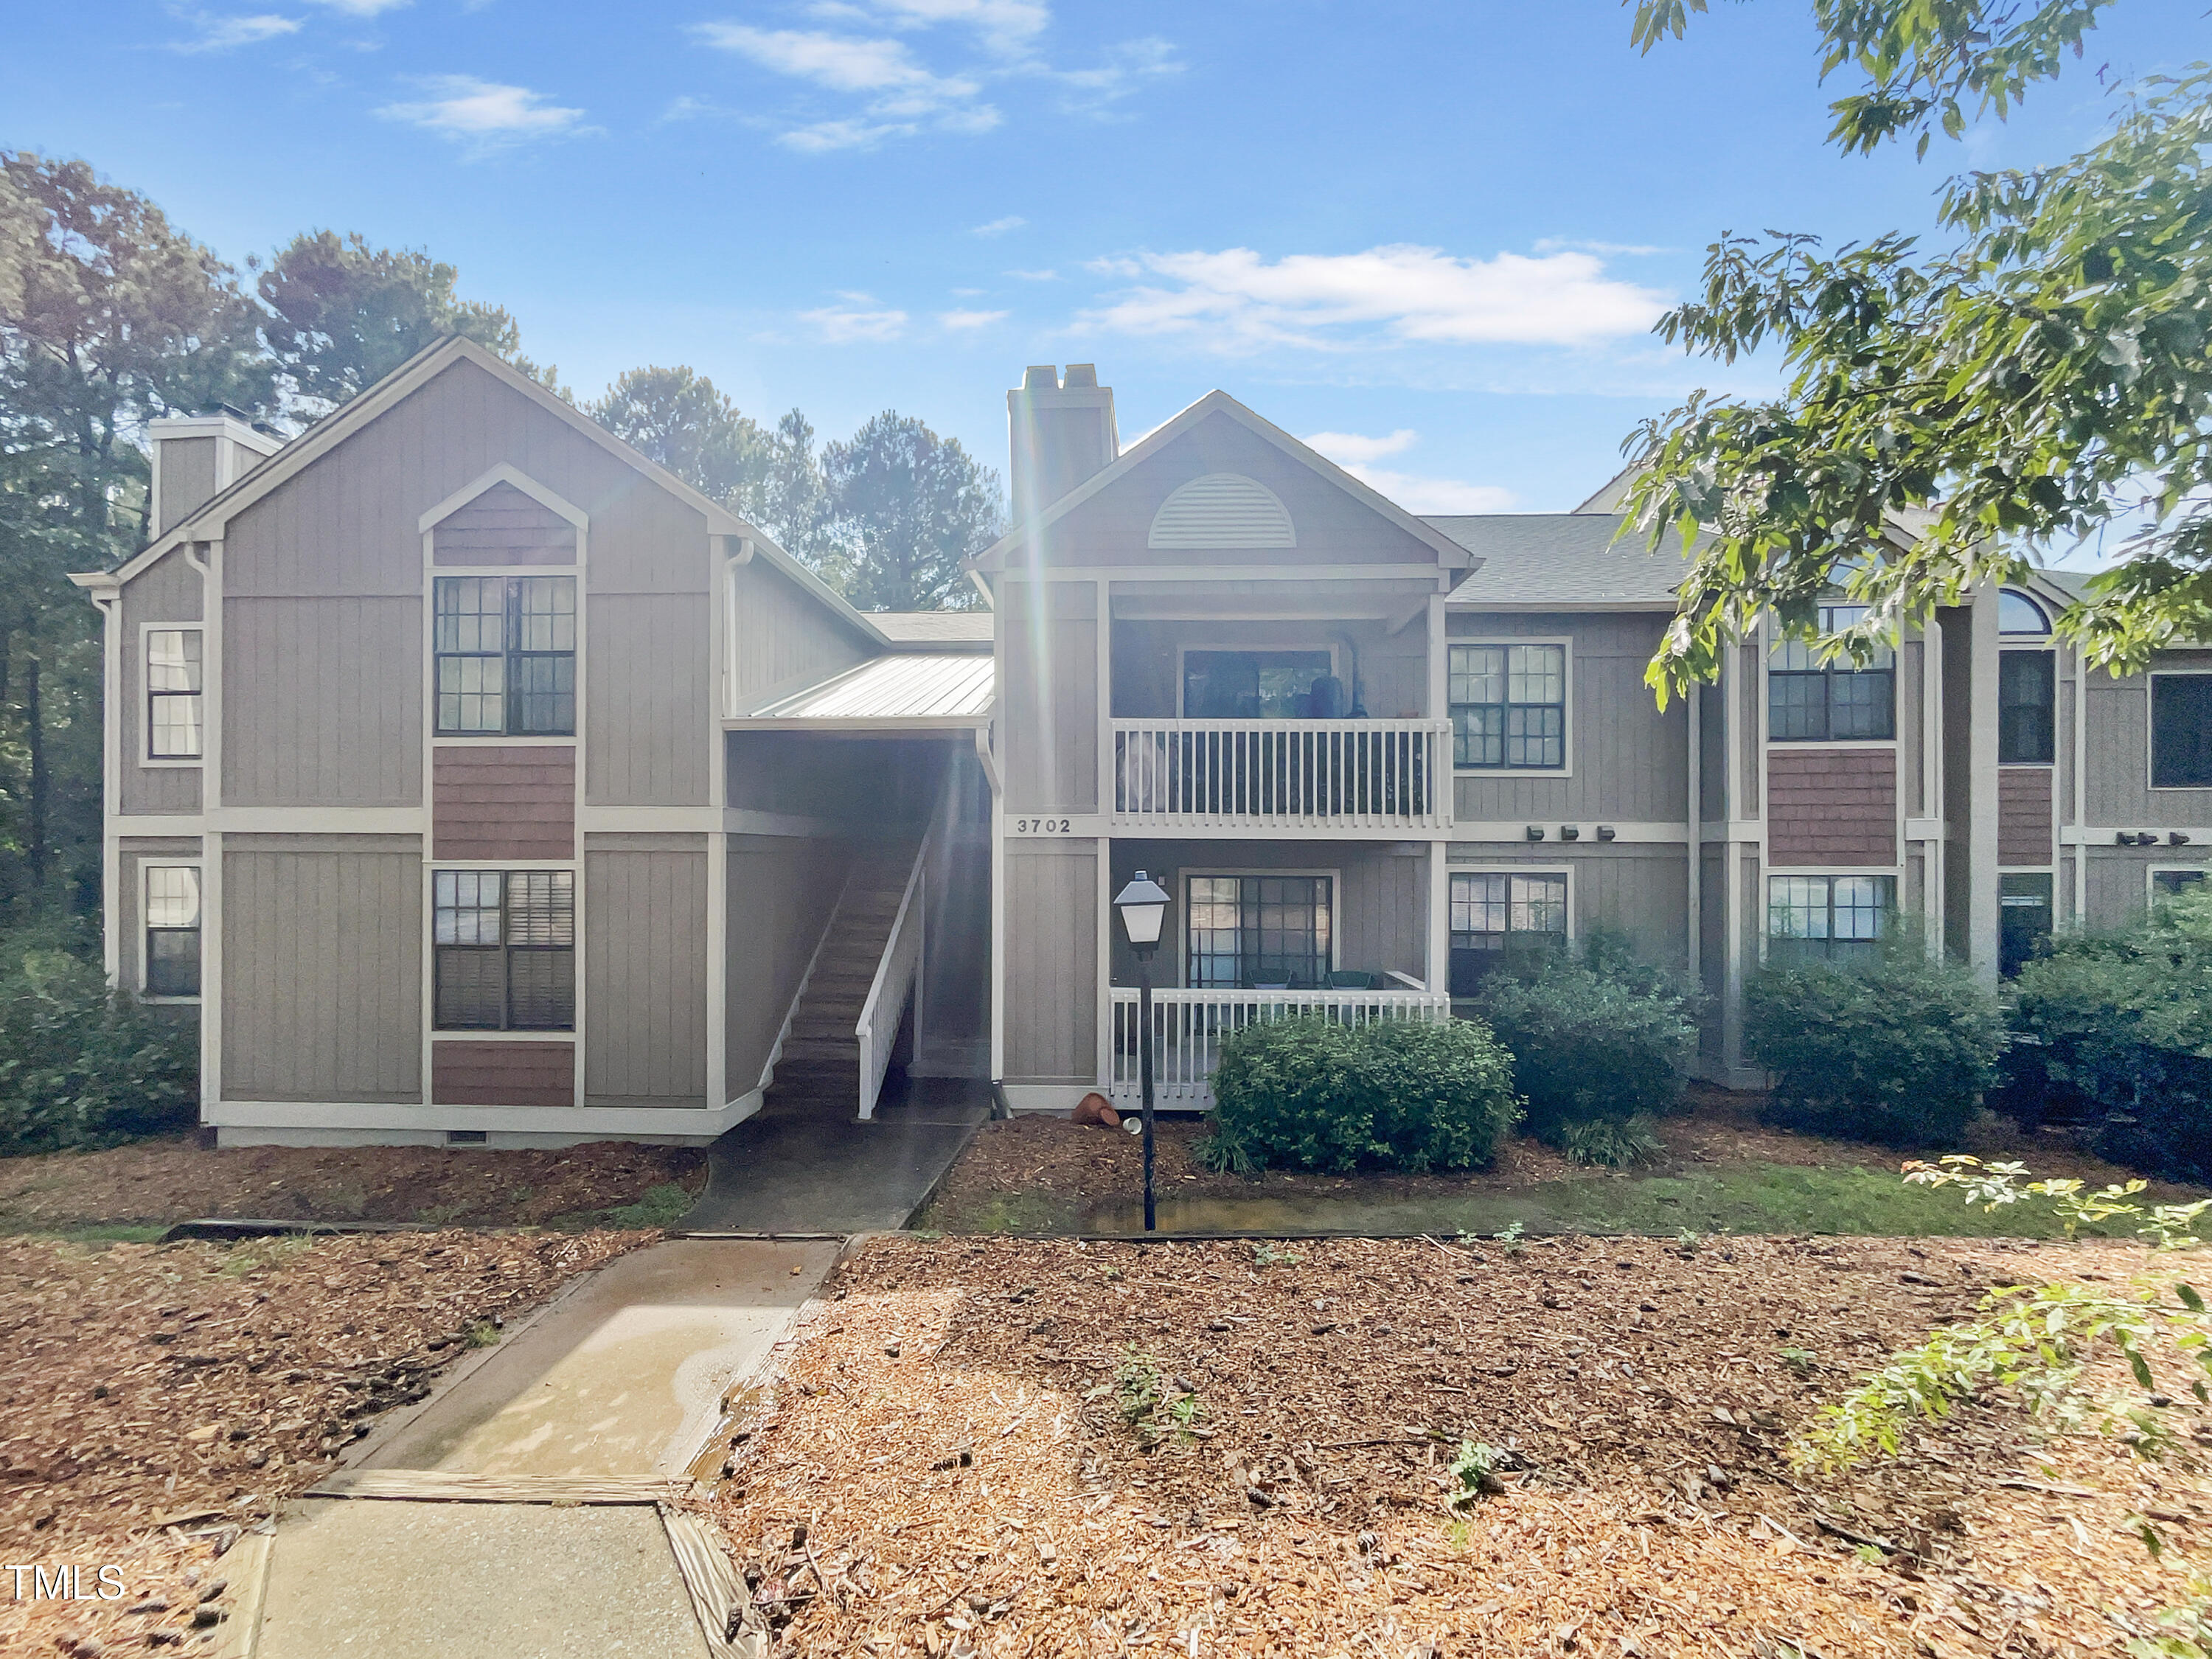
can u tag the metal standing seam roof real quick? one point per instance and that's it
(911, 686)
(934, 627)
(1560, 558)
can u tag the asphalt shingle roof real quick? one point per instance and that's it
(1562, 558)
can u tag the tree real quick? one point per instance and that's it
(909, 507)
(342, 315)
(108, 317)
(2044, 377)
(676, 418)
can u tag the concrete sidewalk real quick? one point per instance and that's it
(620, 1379)
(827, 1172)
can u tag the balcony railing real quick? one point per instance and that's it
(1384, 776)
(1188, 1027)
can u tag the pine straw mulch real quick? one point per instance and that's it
(154, 1400)
(153, 1183)
(1075, 1167)
(946, 1445)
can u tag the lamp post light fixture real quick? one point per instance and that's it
(1143, 906)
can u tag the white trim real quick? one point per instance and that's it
(1183, 651)
(1982, 860)
(281, 821)
(500, 740)
(463, 1034)
(211, 932)
(721, 589)
(1301, 573)
(1058, 1099)
(2078, 677)
(1768, 875)
(506, 474)
(109, 602)
(583, 1121)
(432, 1033)
(2150, 717)
(1566, 767)
(147, 760)
(1562, 868)
(1183, 875)
(1786, 745)
(148, 862)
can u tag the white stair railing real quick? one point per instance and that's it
(1188, 1028)
(896, 973)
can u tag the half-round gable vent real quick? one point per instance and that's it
(1223, 509)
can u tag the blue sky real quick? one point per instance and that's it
(1436, 234)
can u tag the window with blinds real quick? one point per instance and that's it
(506, 950)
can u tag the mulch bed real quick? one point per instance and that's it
(177, 1179)
(945, 1471)
(1076, 1167)
(154, 1400)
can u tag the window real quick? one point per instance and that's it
(2018, 614)
(1273, 932)
(1809, 702)
(2023, 920)
(506, 946)
(1826, 918)
(173, 694)
(506, 656)
(2173, 884)
(1508, 705)
(1496, 918)
(1255, 685)
(2181, 731)
(172, 930)
(2028, 701)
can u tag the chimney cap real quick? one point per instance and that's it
(1084, 374)
(1041, 377)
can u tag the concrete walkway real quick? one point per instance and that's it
(620, 1379)
(820, 1172)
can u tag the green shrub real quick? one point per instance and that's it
(81, 1066)
(1312, 1094)
(1896, 1048)
(1604, 1040)
(2121, 1024)
(1617, 1144)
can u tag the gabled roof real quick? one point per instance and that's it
(1449, 552)
(206, 521)
(1569, 559)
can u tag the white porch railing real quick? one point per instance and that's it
(1390, 776)
(1188, 1027)
(896, 973)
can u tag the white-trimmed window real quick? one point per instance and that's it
(1809, 700)
(2171, 882)
(1273, 932)
(2181, 731)
(1499, 918)
(504, 942)
(506, 656)
(1827, 918)
(175, 681)
(1509, 707)
(171, 964)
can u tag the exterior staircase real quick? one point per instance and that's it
(819, 1069)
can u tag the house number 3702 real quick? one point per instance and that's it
(1043, 826)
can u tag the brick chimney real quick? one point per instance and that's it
(198, 457)
(1061, 431)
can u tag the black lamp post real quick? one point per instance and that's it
(1143, 905)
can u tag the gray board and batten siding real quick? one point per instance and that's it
(781, 894)
(1051, 990)
(645, 1004)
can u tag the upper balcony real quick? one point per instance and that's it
(1368, 777)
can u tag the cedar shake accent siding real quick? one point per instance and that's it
(2024, 814)
(503, 803)
(502, 1073)
(1831, 806)
(504, 526)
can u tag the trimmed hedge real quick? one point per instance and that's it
(1311, 1094)
(81, 1066)
(1898, 1048)
(1603, 1041)
(2122, 1026)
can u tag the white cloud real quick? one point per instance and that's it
(222, 33)
(362, 8)
(1000, 226)
(970, 320)
(1562, 243)
(1234, 301)
(1034, 276)
(852, 323)
(866, 57)
(1356, 453)
(1417, 494)
(1346, 447)
(485, 115)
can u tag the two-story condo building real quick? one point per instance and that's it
(481, 781)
